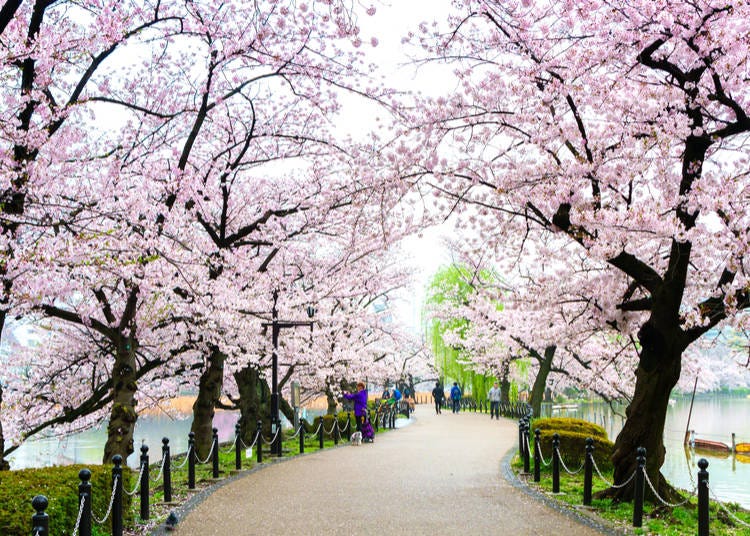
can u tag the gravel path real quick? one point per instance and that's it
(437, 475)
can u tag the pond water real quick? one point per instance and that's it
(713, 418)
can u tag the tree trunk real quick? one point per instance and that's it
(332, 402)
(657, 374)
(4, 465)
(254, 403)
(505, 384)
(540, 382)
(123, 416)
(204, 407)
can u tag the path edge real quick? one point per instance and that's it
(589, 519)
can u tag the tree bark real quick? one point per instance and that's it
(204, 407)
(505, 383)
(4, 465)
(540, 382)
(123, 416)
(656, 376)
(254, 402)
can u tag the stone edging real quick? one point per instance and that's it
(583, 517)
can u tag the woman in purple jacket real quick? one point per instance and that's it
(360, 404)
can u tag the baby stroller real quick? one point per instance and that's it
(368, 434)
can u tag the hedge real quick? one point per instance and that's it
(60, 485)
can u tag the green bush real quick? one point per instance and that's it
(558, 424)
(60, 486)
(573, 449)
(328, 423)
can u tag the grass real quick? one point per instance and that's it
(657, 519)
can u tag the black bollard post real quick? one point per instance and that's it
(320, 433)
(336, 431)
(556, 463)
(520, 437)
(537, 455)
(40, 520)
(117, 495)
(84, 497)
(703, 497)
(259, 441)
(374, 420)
(393, 418)
(167, 461)
(144, 483)
(191, 460)
(588, 469)
(349, 423)
(215, 450)
(237, 441)
(301, 437)
(526, 453)
(640, 483)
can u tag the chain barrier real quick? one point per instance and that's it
(721, 505)
(208, 458)
(230, 448)
(611, 484)
(316, 432)
(161, 470)
(80, 513)
(244, 446)
(328, 433)
(665, 503)
(296, 433)
(111, 501)
(541, 456)
(137, 484)
(187, 457)
(346, 428)
(559, 456)
(272, 439)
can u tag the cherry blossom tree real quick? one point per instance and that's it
(621, 127)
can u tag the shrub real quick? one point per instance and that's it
(573, 449)
(60, 486)
(558, 424)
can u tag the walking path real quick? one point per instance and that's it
(438, 475)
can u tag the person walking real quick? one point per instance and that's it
(494, 398)
(456, 397)
(437, 395)
(360, 406)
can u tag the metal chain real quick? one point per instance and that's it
(318, 430)
(161, 469)
(231, 447)
(210, 452)
(559, 456)
(721, 505)
(111, 501)
(665, 503)
(80, 513)
(137, 484)
(187, 457)
(332, 427)
(541, 456)
(244, 446)
(611, 484)
(272, 439)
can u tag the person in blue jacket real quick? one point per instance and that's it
(456, 397)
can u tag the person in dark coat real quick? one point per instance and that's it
(360, 404)
(437, 395)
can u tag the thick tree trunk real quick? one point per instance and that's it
(123, 416)
(540, 382)
(254, 403)
(204, 407)
(657, 374)
(332, 402)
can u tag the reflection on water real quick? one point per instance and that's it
(714, 418)
(88, 447)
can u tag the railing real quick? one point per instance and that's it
(639, 477)
(164, 471)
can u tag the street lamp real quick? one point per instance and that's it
(276, 326)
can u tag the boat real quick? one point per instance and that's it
(742, 448)
(705, 444)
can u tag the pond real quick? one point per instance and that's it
(714, 417)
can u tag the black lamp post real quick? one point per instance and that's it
(276, 326)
